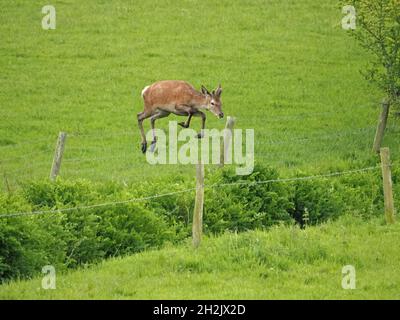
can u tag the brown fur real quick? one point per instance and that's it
(178, 97)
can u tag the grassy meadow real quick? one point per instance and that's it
(288, 71)
(287, 68)
(284, 263)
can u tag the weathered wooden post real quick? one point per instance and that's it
(387, 185)
(380, 130)
(230, 122)
(58, 155)
(197, 228)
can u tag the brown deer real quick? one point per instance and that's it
(178, 97)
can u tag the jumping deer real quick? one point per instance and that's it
(178, 97)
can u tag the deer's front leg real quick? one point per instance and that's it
(203, 123)
(187, 123)
(183, 110)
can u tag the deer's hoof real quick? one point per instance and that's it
(153, 146)
(200, 135)
(183, 124)
(144, 147)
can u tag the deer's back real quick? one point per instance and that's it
(169, 92)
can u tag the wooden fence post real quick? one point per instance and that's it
(230, 122)
(387, 185)
(58, 155)
(380, 130)
(197, 228)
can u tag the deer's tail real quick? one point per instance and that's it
(144, 91)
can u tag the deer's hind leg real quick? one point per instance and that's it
(160, 114)
(141, 116)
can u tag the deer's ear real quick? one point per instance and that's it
(205, 91)
(218, 91)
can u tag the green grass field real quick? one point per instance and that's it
(288, 71)
(283, 263)
(287, 68)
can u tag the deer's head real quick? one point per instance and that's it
(214, 101)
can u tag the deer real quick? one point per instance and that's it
(180, 98)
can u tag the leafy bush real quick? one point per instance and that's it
(315, 201)
(21, 248)
(247, 203)
(77, 237)
(69, 239)
(45, 194)
(363, 194)
(176, 208)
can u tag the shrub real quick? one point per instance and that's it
(315, 201)
(363, 193)
(70, 239)
(247, 203)
(20, 249)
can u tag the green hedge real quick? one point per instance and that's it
(80, 237)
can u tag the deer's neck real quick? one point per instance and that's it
(202, 101)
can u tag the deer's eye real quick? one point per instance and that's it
(212, 103)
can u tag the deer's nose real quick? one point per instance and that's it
(221, 115)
